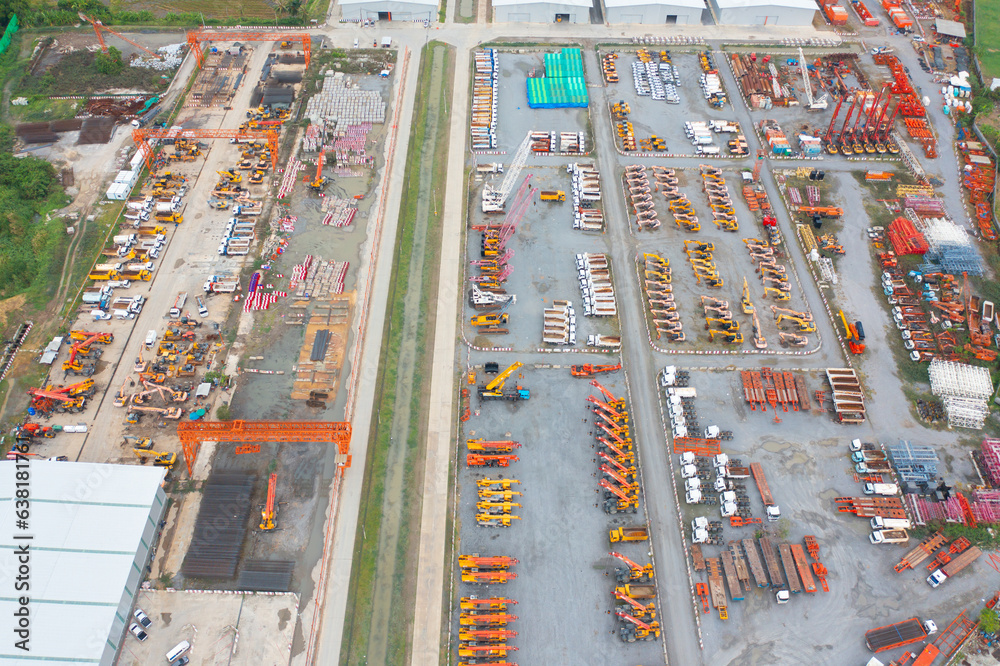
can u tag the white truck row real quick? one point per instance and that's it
(594, 273)
(559, 324)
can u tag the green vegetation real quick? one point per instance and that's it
(408, 321)
(988, 37)
(984, 537)
(989, 621)
(83, 72)
(41, 13)
(222, 412)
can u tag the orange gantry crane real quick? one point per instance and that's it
(196, 38)
(267, 514)
(141, 136)
(98, 27)
(193, 433)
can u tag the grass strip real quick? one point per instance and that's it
(357, 627)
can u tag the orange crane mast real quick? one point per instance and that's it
(267, 515)
(98, 27)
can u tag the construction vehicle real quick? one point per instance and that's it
(268, 512)
(731, 337)
(481, 562)
(32, 431)
(498, 446)
(618, 500)
(498, 495)
(485, 619)
(745, 303)
(778, 294)
(496, 508)
(490, 319)
(854, 335)
(488, 577)
(878, 537)
(898, 634)
(588, 370)
(635, 629)
(803, 326)
(636, 533)
(82, 349)
(480, 460)
(172, 413)
(494, 520)
(632, 571)
(552, 195)
(473, 602)
(478, 652)
(495, 389)
(160, 459)
(963, 560)
(319, 182)
(724, 324)
(179, 301)
(143, 443)
(504, 484)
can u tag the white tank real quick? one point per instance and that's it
(968, 107)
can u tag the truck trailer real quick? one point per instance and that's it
(899, 634)
(961, 561)
(878, 537)
(636, 533)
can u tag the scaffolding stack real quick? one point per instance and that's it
(965, 391)
(986, 506)
(990, 456)
(914, 463)
(950, 249)
(923, 511)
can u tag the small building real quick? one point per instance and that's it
(949, 28)
(542, 11)
(654, 12)
(92, 527)
(388, 10)
(763, 12)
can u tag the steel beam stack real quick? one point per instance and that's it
(914, 463)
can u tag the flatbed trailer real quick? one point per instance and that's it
(697, 558)
(771, 560)
(753, 559)
(735, 589)
(770, 507)
(741, 565)
(921, 552)
(869, 507)
(802, 565)
(895, 635)
(788, 562)
(715, 586)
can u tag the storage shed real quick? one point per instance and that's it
(388, 10)
(654, 12)
(763, 12)
(536, 11)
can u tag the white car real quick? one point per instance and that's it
(142, 618)
(137, 631)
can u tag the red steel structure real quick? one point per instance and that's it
(193, 433)
(196, 38)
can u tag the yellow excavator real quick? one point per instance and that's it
(778, 294)
(732, 337)
(724, 324)
(802, 325)
(745, 303)
(232, 175)
(160, 458)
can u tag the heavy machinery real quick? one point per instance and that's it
(497, 508)
(495, 389)
(502, 484)
(632, 571)
(759, 341)
(498, 495)
(473, 602)
(635, 629)
(745, 303)
(777, 294)
(318, 184)
(486, 635)
(618, 500)
(495, 520)
(814, 104)
(732, 337)
(481, 562)
(172, 413)
(588, 370)
(496, 446)
(70, 399)
(143, 443)
(230, 175)
(98, 27)
(638, 609)
(490, 319)
(724, 324)
(81, 349)
(480, 460)
(854, 335)
(269, 511)
(160, 458)
(803, 326)
(32, 431)
(635, 533)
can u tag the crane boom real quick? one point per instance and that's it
(494, 199)
(637, 622)
(267, 515)
(98, 27)
(498, 381)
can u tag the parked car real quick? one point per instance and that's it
(142, 617)
(137, 631)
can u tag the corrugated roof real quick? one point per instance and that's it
(559, 3)
(694, 4)
(950, 28)
(86, 522)
(792, 4)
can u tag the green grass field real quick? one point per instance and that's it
(988, 38)
(234, 9)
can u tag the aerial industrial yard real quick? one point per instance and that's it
(431, 324)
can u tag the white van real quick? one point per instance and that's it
(178, 650)
(150, 339)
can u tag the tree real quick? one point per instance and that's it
(989, 621)
(110, 63)
(10, 7)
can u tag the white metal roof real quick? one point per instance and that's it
(950, 28)
(793, 4)
(695, 4)
(86, 522)
(565, 3)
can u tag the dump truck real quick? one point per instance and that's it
(552, 195)
(888, 536)
(867, 456)
(882, 489)
(638, 591)
(635, 533)
(179, 302)
(135, 276)
(873, 467)
(961, 561)
(899, 634)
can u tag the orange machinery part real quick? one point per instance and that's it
(193, 433)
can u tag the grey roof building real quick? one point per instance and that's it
(92, 528)
(763, 12)
(654, 12)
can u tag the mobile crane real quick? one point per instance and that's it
(855, 340)
(495, 389)
(73, 365)
(638, 609)
(492, 603)
(636, 629)
(588, 370)
(618, 500)
(318, 184)
(632, 572)
(504, 484)
(268, 512)
(482, 562)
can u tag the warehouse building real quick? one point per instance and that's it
(92, 527)
(654, 12)
(763, 12)
(531, 11)
(388, 10)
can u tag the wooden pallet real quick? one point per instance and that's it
(728, 568)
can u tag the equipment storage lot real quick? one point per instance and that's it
(649, 116)
(544, 262)
(732, 259)
(222, 628)
(805, 476)
(515, 119)
(562, 537)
